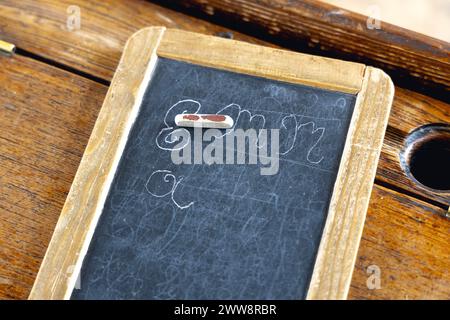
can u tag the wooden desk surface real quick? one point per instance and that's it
(51, 92)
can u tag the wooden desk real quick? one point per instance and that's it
(52, 89)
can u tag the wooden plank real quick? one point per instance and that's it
(46, 116)
(342, 233)
(409, 111)
(329, 28)
(40, 27)
(407, 240)
(263, 62)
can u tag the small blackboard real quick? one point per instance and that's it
(202, 230)
(225, 231)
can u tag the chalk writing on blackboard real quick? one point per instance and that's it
(167, 181)
(179, 141)
(215, 230)
(170, 135)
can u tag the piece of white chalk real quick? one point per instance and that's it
(204, 120)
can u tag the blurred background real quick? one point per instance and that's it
(430, 17)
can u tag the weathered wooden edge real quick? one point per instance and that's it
(323, 26)
(343, 229)
(262, 61)
(84, 204)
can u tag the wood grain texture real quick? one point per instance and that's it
(330, 28)
(40, 27)
(410, 110)
(349, 202)
(56, 110)
(60, 110)
(46, 117)
(343, 228)
(408, 240)
(84, 204)
(262, 61)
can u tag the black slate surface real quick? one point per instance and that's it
(218, 231)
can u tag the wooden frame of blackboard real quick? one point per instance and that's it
(345, 220)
